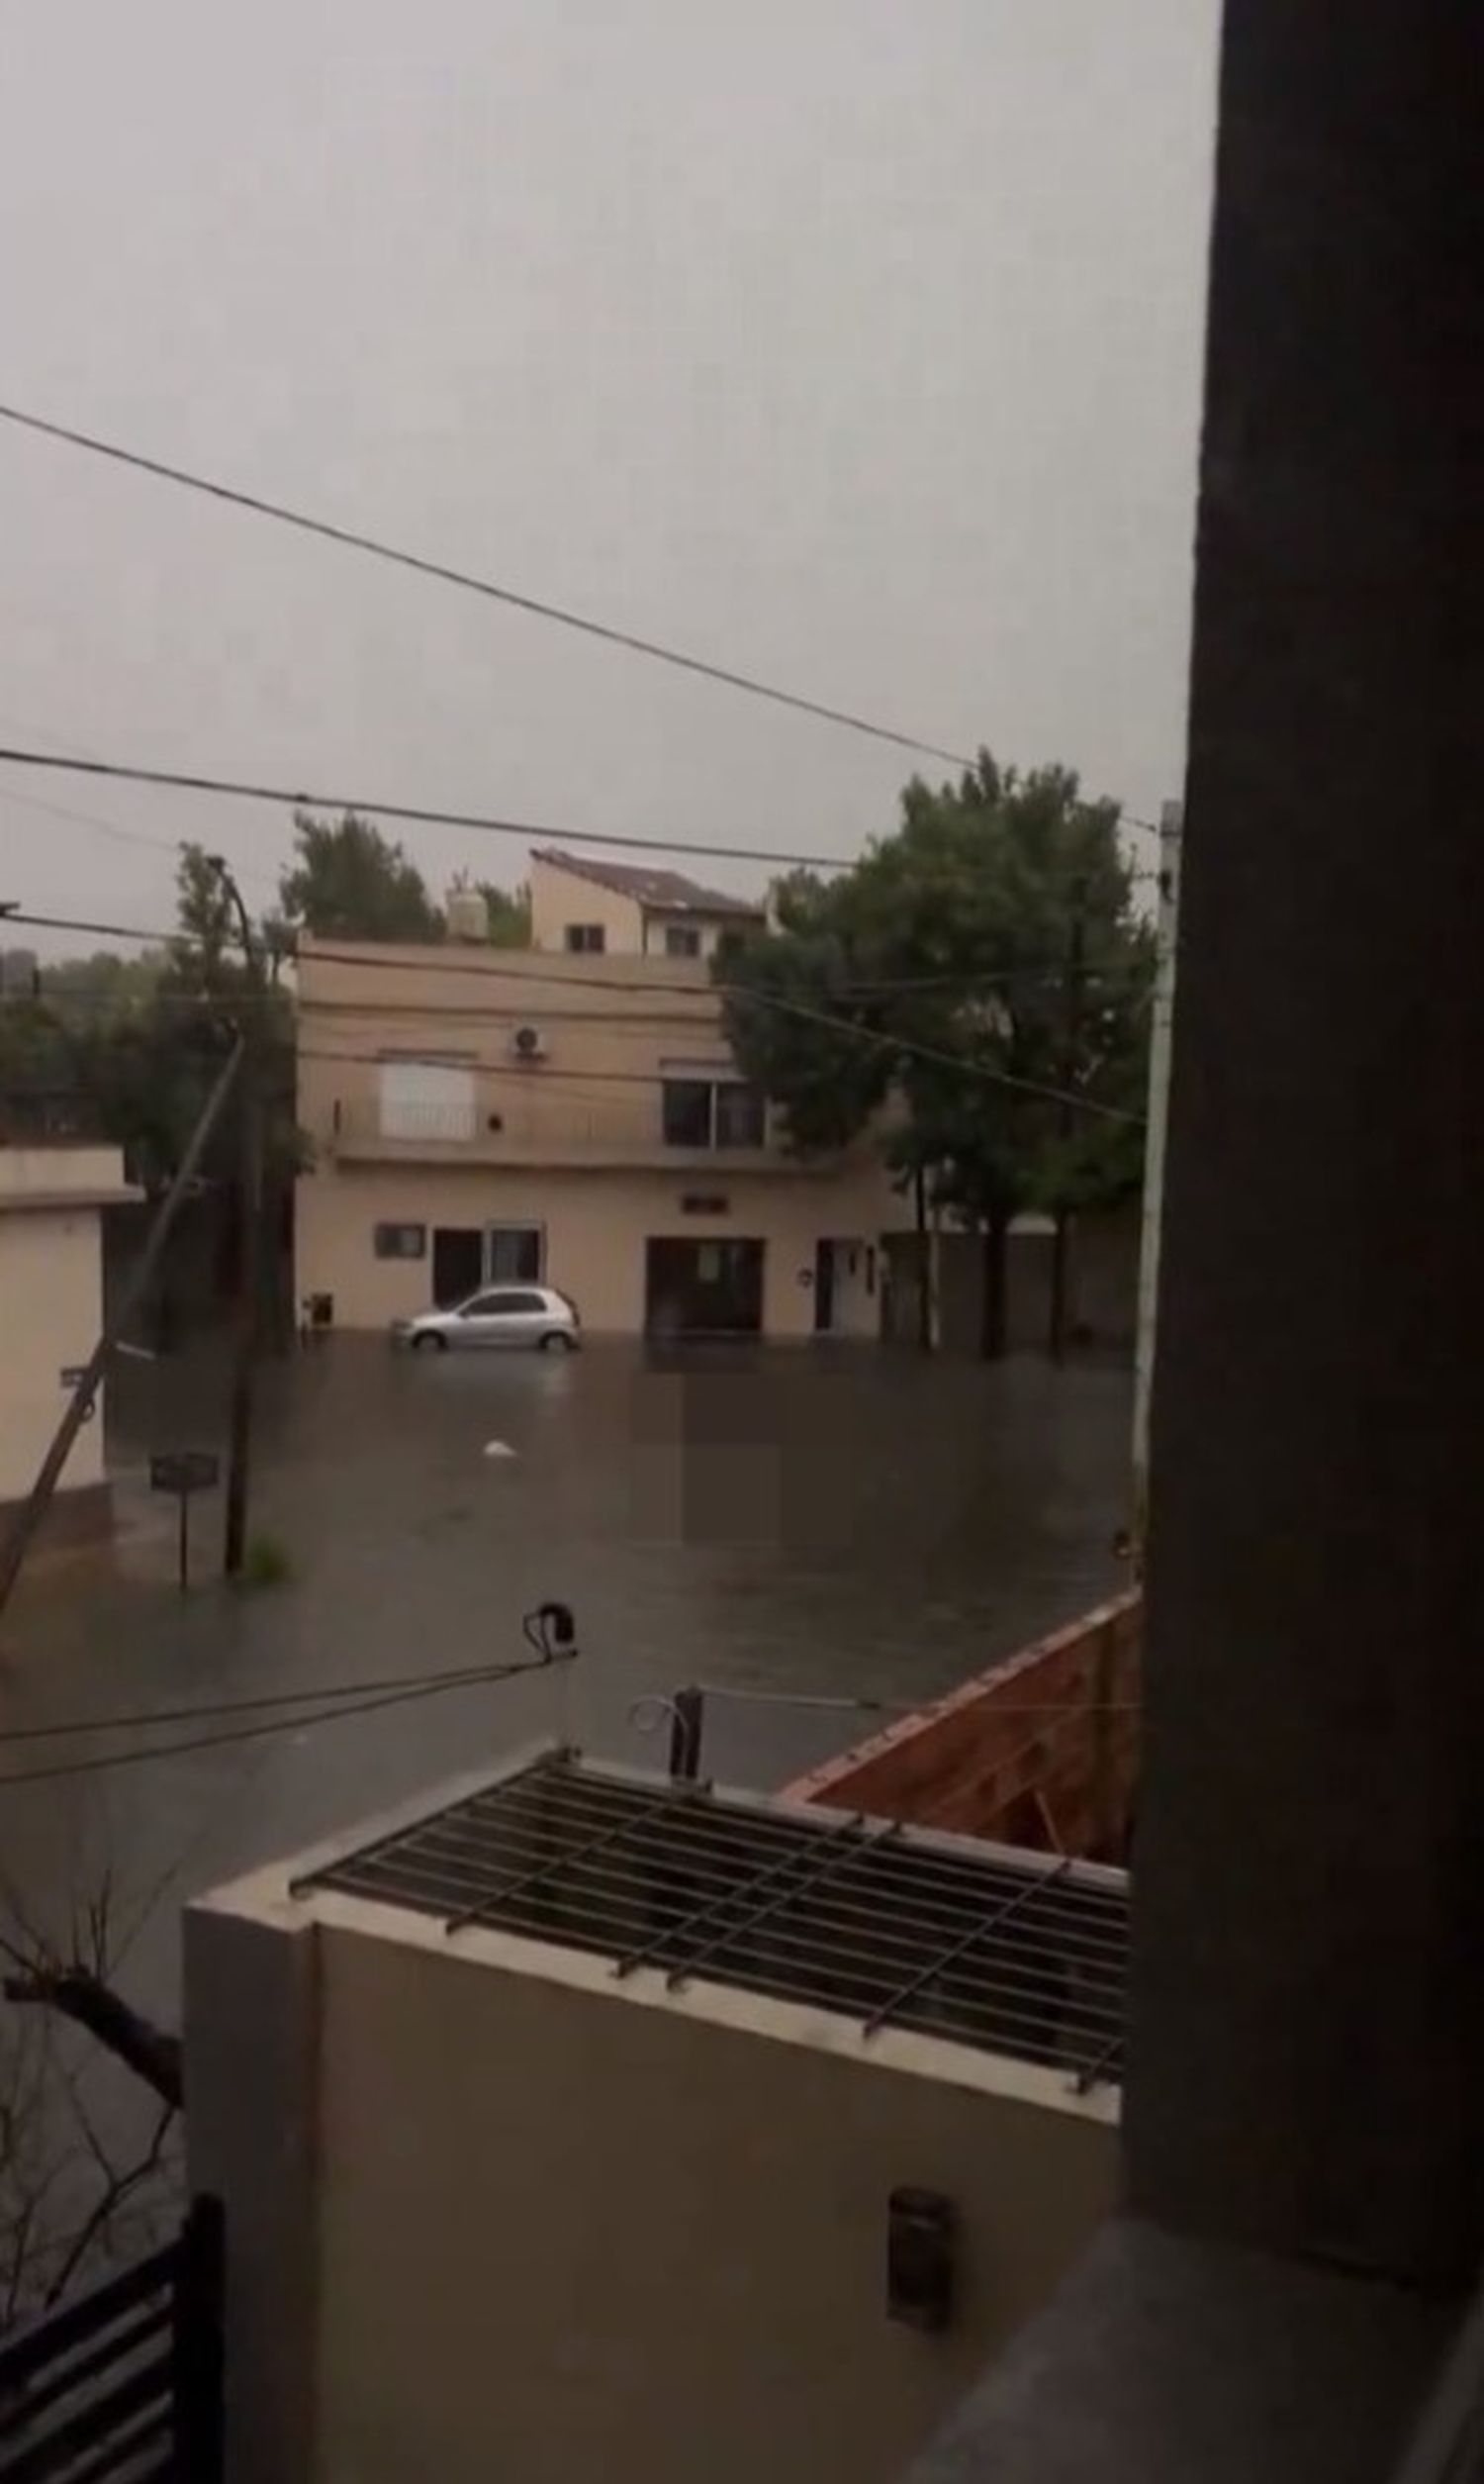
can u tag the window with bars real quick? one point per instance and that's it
(399, 1241)
(713, 1113)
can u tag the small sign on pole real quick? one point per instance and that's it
(184, 1472)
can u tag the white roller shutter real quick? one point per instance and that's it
(426, 1100)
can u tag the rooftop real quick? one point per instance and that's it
(1003, 1952)
(665, 892)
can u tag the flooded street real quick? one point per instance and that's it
(841, 1523)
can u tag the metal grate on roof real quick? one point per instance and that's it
(1010, 1953)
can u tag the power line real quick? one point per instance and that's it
(146, 1718)
(353, 539)
(900, 1044)
(105, 827)
(255, 1733)
(105, 931)
(950, 1060)
(89, 819)
(492, 966)
(123, 837)
(480, 823)
(413, 815)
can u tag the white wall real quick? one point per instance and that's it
(50, 1313)
(568, 2235)
(559, 898)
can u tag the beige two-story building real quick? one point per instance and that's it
(53, 1196)
(568, 1114)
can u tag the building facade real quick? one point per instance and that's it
(51, 1200)
(569, 1115)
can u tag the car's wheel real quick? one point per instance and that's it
(556, 1338)
(430, 1337)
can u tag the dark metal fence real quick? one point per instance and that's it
(32, 1116)
(124, 2384)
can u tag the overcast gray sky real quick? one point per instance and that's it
(853, 343)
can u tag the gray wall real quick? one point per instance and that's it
(1102, 1286)
(1308, 2004)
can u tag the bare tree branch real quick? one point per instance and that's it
(66, 2179)
(75, 1992)
(104, 2207)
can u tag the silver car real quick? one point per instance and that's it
(497, 1315)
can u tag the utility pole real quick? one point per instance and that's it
(1162, 1023)
(16, 1545)
(926, 1254)
(247, 1322)
(1062, 1220)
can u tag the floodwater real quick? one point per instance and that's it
(833, 1523)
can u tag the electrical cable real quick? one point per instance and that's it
(254, 1733)
(482, 824)
(353, 539)
(491, 968)
(145, 1718)
(864, 1705)
(901, 1044)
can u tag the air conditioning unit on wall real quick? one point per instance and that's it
(527, 1043)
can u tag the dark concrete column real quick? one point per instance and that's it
(1308, 2062)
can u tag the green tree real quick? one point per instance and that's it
(509, 914)
(348, 882)
(974, 993)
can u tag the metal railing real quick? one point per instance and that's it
(540, 1127)
(48, 1117)
(126, 2380)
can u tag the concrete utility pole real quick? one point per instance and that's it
(1161, 1021)
(1077, 952)
(14, 1550)
(248, 1322)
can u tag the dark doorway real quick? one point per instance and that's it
(458, 1268)
(704, 1289)
(824, 1287)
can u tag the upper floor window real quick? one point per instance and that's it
(713, 1113)
(586, 939)
(682, 940)
(431, 1099)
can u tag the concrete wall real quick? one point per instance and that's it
(566, 2234)
(86, 1173)
(1102, 1286)
(1040, 1751)
(1103, 1283)
(559, 898)
(596, 1223)
(50, 1305)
